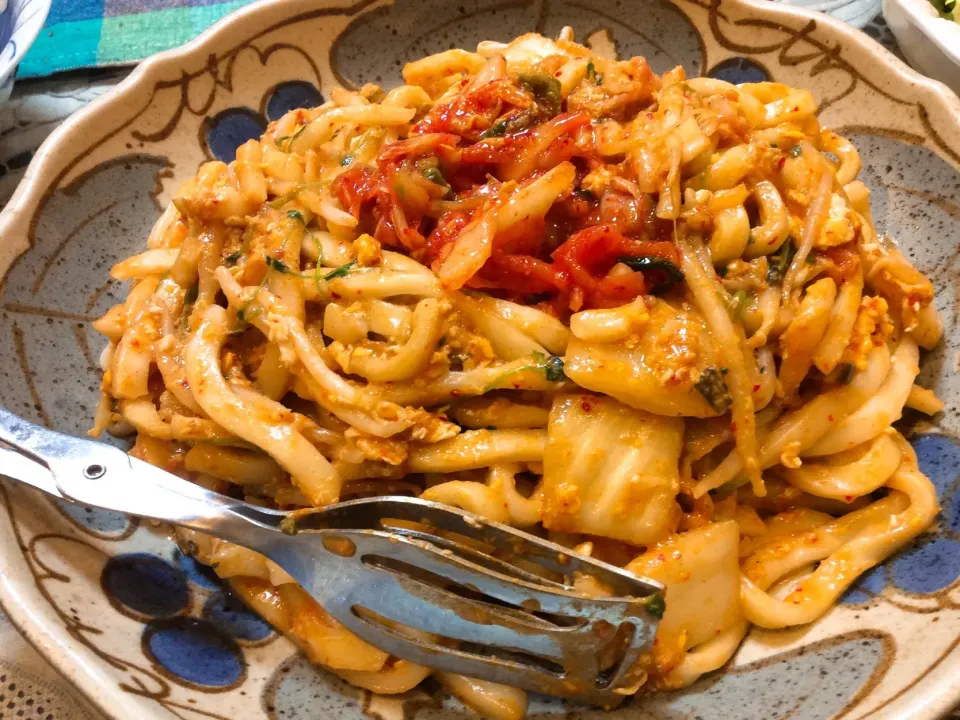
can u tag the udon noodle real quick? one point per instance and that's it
(646, 316)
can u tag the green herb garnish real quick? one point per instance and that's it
(796, 151)
(288, 526)
(656, 605)
(245, 317)
(318, 269)
(341, 271)
(456, 358)
(232, 258)
(435, 176)
(545, 90)
(672, 272)
(592, 74)
(244, 314)
(283, 142)
(776, 273)
(512, 123)
(346, 160)
(738, 303)
(554, 369)
(278, 265)
(786, 257)
(498, 129)
(845, 373)
(189, 299)
(296, 215)
(282, 200)
(711, 385)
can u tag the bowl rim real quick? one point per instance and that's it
(922, 15)
(929, 698)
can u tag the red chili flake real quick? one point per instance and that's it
(781, 162)
(756, 387)
(733, 427)
(830, 418)
(454, 393)
(661, 557)
(586, 405)
(848, 498)
(796, 108)
(558, 73)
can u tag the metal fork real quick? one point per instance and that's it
(450, 573)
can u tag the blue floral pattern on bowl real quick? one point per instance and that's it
(231, 128)
(932, 564)
(201, 649)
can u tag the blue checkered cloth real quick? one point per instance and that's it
(88, 33)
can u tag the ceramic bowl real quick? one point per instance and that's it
(931, 43)
(145, 633)
(20, 23)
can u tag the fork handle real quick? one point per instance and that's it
(93, 473)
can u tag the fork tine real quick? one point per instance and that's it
(420, 605)
(494, 669)
(371, 512)
(501, 567)
(518, 593)
(415, 603)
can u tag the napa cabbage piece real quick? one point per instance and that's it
(524, 52)
(654, 370)
(611, 470)
(507, 341)
(701, 573)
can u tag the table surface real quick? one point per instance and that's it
(30, 689)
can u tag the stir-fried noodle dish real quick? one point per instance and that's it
(648, 317)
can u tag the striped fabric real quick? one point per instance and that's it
(87, 33)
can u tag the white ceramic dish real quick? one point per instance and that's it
(931, 43)
(20, 23)
(146, 635)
